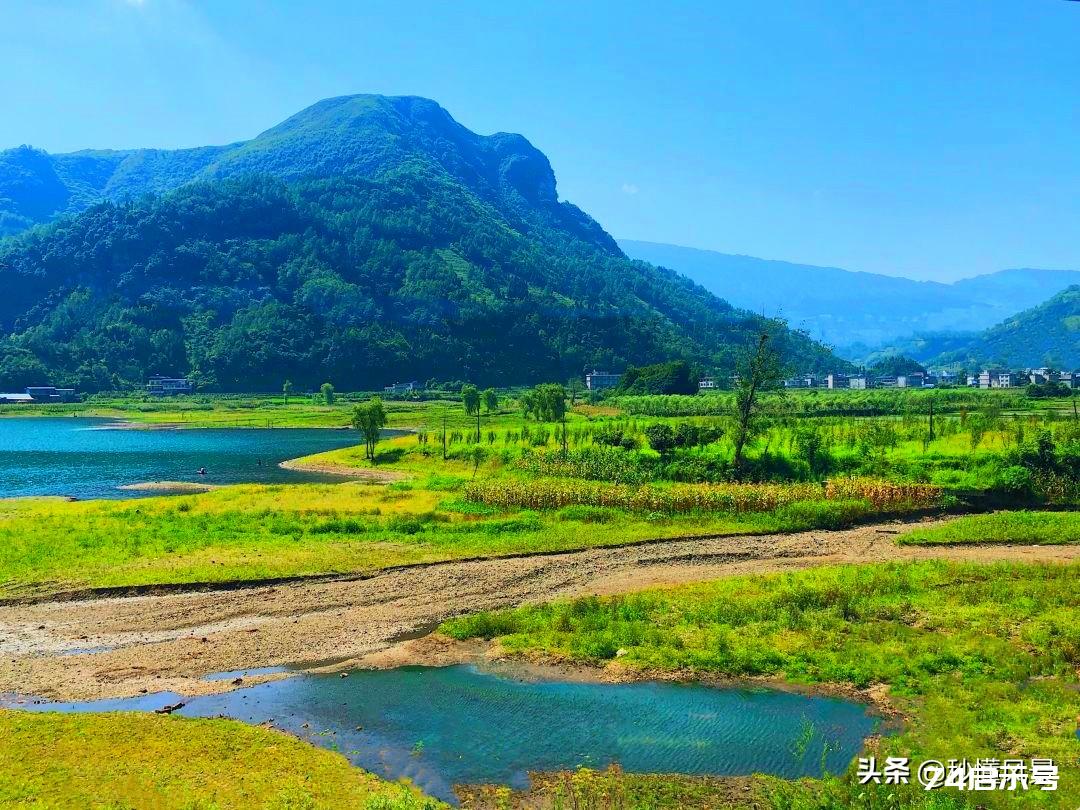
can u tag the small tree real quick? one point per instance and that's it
(548, 402)
(286, 389)
(661, 438)
(470, 398)
(759, 371)
(369, 418)
(327, 391)
(574, 386)
(491, 400)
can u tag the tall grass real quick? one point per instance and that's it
(681, 498)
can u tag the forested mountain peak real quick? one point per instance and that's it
(364, 240)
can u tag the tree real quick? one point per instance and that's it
(758, 371)
(470, 398)
(547, 402)
(327, 391)
(674, 377)
(661, 438)
(491, 400)
(286, 389)
(369, 418)
(574, 386)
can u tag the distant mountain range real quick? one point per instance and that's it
(365, 240)
(1045, 335)
(857, 312)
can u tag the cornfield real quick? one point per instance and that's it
(555, 494)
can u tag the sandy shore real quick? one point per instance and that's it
(191, 487)
(119, 646)
(372, 474)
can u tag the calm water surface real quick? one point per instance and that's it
(459, 725)
(82, 458)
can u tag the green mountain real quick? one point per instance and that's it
(364, 240)
(1046, 335)
(857, 311)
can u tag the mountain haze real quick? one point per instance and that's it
(364, 240)
(1045, 335)
(855, 310)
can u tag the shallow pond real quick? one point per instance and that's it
(460, 725)
(83, 458)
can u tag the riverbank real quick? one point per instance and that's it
(977, 657)
(172, 641)
(312, 464)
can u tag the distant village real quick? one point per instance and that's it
(606, 380)
(987, 378)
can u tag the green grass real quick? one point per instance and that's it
(251, 532)
(1028, 528)
(982, 659)
(125, 760)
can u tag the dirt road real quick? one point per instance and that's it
(121, 646)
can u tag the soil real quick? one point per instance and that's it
(186, 487)
(119, 646)
(371, 474)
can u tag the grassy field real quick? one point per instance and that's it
(518, 485)
(123, 760)
(982, 659)
(1021, 528)
(255, 532)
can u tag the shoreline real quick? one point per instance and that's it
(437, 650)
(370, 474)
(171, 640)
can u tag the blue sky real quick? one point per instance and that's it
(933, 139)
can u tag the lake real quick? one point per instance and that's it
(84, 458)
(461, 725)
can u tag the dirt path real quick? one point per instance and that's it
(121, 646)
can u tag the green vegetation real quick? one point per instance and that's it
(981, 659)
(675, 377)
(114, 760)
(532, 476)
(614, 788)
(258, 532)
(1045, 335)
(1027, 528)
(389, 266)
(370, 418)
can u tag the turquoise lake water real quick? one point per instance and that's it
(83, 458)
(459, 725)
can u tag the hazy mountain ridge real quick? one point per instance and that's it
(364, 240)
(857, 311)
(1044, 335)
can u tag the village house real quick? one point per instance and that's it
(168, 386)
(402, 388)
(599, 380)
(40, 393)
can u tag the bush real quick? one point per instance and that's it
(1016, 481)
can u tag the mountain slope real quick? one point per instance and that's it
(1046, 335)
(365, 240)
(845, 307)
(347, 136)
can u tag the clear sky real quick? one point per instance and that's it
(927, 138)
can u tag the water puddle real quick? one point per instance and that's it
(460, 725)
